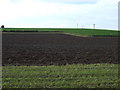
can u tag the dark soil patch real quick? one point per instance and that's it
(57, 49)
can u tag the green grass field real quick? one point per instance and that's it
(71, 31)
(69, 76)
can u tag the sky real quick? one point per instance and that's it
(59, 13)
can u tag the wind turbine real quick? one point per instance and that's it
(77, 25)
(82, 26)
(93, 26)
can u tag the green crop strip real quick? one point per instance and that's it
(72, 31)
(68, 76)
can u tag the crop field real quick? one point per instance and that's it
(69, 76)
(71, 31)
(59, 60)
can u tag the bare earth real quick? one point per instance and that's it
(57, 49)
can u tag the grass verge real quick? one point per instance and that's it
(68, 76)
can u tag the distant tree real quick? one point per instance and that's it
(2, 26)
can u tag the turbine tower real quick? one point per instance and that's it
(77, 25)
(93, 26)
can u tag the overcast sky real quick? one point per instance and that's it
(59, 13)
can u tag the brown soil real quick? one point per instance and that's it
(57, 49)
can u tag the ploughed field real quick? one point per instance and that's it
(57, 49)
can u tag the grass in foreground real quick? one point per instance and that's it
(69, 76)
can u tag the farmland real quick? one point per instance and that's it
(69, 76)
(57, 49)
(71, 31)
(59, 60)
